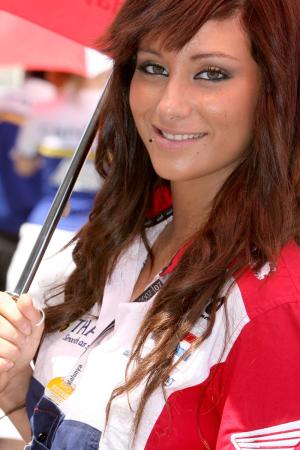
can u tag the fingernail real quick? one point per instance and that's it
(42, 319)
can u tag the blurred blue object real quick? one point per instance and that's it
(18, 194)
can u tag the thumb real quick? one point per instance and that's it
(34, 314)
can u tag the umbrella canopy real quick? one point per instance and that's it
(81, 20)
(35, 48)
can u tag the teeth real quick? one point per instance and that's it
(180, 137)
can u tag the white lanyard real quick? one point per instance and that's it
(60, 388)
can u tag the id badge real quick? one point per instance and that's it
(58, 390)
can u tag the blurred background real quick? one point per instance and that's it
(49, 88)
(10, 77)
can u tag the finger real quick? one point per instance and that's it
(5, 365)
(11, 333)
(8, 350)
(28, 309)
(10, 311)
(4, 378)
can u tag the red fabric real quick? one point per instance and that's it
(256, 388)
(269, 292)
(191, 418)
(162, 200)
(261, 380)
(254, 394)
(81, 20)
(35, 48)
(169, 269)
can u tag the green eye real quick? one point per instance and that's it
(152, 69)
(212, 74)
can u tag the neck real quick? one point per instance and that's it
(192, 202)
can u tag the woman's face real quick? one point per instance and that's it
(194, 109)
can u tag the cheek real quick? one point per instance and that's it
(233, 115)
(134, 102)
(242, 121)
(144, 96)
(139, 104)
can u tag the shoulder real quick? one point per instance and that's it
(270, 289)
(260, 304)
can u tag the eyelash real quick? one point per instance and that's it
(222, 75)
(143, 67)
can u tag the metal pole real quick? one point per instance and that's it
(58, 205)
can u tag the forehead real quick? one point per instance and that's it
(216, 35)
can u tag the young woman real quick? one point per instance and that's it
(178, 328)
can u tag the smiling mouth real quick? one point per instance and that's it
(179, 136)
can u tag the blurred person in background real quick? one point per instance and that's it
(47, 143)
(18, 194)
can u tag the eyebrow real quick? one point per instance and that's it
(194, 57)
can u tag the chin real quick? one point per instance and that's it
(173, 174)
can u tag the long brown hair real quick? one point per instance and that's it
(253, 216)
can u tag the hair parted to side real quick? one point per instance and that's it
(255, 213)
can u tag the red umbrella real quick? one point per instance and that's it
(36, 48)
(81, 20)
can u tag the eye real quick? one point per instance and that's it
(212, 74)
(152, 69)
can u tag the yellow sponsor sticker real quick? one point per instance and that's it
(58, 390)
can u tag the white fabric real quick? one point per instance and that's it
(20, 100)
(59, 126)
(54, 268)
(7, 429)
(106, 364)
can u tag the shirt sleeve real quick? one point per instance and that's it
(261, 384)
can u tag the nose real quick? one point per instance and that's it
(175, 102)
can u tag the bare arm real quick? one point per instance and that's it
(13, 403)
